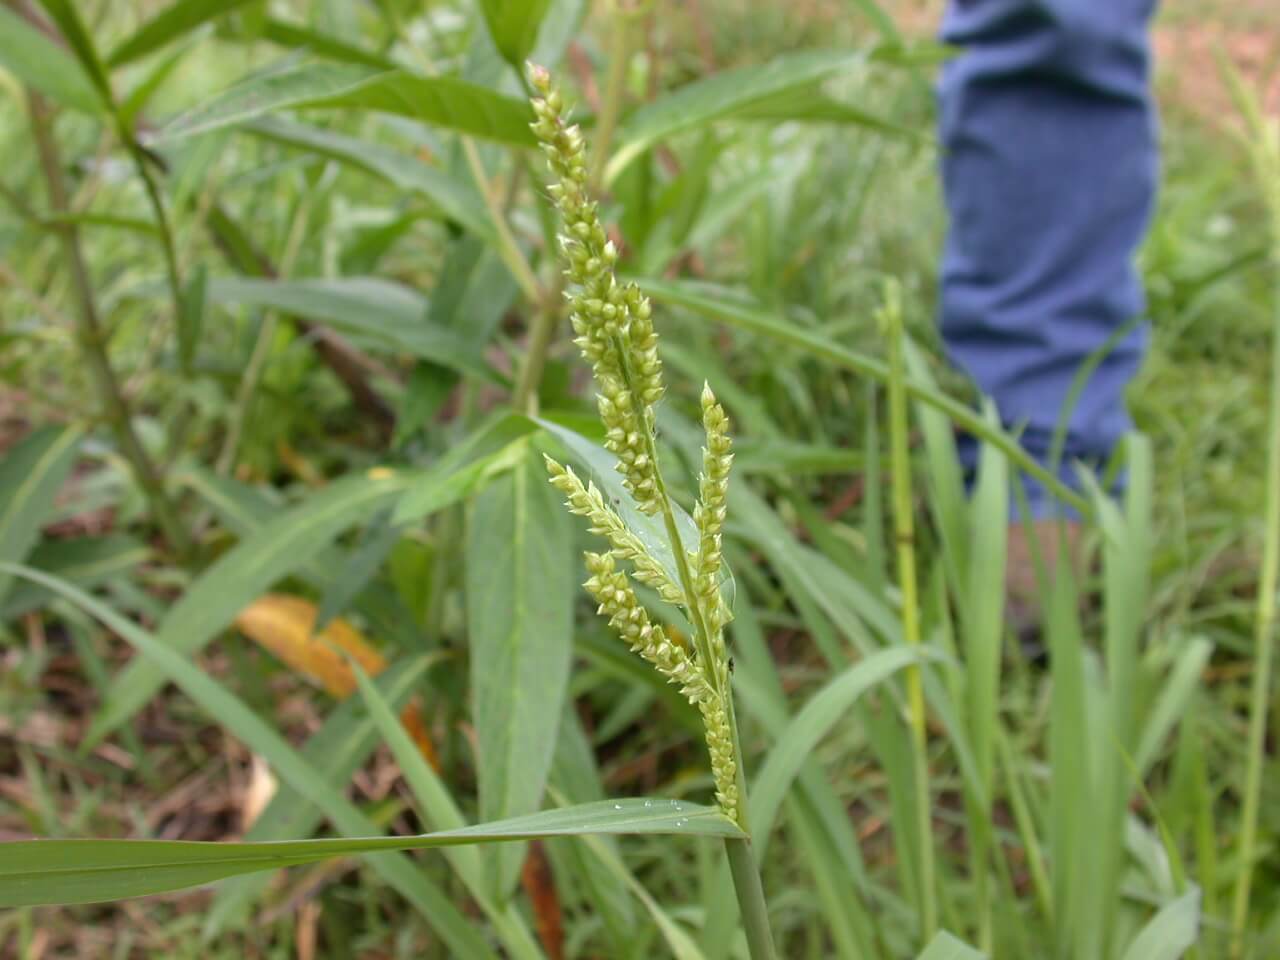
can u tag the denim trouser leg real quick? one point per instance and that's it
(1049, 169)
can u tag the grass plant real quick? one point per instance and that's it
(286, 327)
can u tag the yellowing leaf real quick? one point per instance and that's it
(283, 624)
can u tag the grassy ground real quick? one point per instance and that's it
(841, 213)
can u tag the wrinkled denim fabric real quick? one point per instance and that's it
(1049, 168)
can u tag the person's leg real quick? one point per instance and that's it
(1049, 169)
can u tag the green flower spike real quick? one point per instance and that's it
(614, 328)
(613, 322)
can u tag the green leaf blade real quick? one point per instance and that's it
(31, 474)
(513, 25)
(168, 25)
(442, 100)
(520, 614)
(36, 872)
(44, 66)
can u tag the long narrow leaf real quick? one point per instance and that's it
(173, 22)
(90, 871)
(442, 101)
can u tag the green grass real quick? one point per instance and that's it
(1082, 809)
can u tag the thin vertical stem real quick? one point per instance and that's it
(1266, 147)
(92, 338)
(611, 101)
(751, 902)
(904, 534)
(541, 336)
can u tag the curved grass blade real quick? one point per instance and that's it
(241, 574)
(720, 95)
(235, 716)
(719, 304)
(82, 871)
(91, 871)
(455, 198)
(336, 751)
(168, 25)
(83, 561)
(1171, 932)
(814, 721)
(438, 808)
(31, 474)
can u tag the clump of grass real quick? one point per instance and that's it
(613, 323)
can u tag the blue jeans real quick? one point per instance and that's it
(1049, 168)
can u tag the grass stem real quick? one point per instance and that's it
(904, 534)
(1265, 147)
(93, 341)
(751, 902)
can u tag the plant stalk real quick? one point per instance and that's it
(92, 338)
(751, 902)
(742, 864)
(904, 533)
(541, 335)
(1267, 161)
(611, 100)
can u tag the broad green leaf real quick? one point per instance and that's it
(520, 591)
(44, 66)
(245, 572)
(35, 872)
(455, 198)
(721, 95)
(377, 313)
(447, 102)
(67, 17)
(513, 25)
(824, 710)
(442, 101)
(166, 26)
(946, 947)
(336, 751)
(31, 474)
(727, 307)
(1171, 932)
(84, 561)
(280, 86)
(237, 719)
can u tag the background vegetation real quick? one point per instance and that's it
(275, 287)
